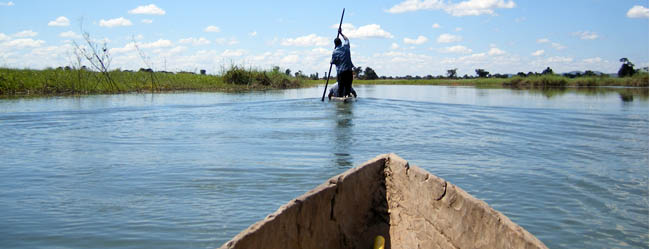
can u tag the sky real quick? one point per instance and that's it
(395, 38)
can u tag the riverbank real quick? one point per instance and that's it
(518, 82)
(61, 81)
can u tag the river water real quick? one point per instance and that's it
(191, 170)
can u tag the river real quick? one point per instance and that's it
(191, 170)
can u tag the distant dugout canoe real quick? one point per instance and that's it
(386, 196)
(343, 99)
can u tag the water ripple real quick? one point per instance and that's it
(192, 170)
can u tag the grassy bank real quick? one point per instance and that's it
(531, 82)
(26, 82)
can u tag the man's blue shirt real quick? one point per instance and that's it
(341, 58)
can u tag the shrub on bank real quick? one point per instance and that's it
(253, 77)
(541, 81)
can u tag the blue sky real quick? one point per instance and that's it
(401, 37)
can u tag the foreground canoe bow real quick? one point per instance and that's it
(387, 197)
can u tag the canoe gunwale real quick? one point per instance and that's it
(385, 196)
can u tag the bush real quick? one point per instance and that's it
(237, 76)
(273, 79)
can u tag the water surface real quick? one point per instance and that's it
(191, 170)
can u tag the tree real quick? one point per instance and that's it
(482, 73)
(627, 69)
(548, 70)
(357, 71)
(451, 73)
(589, 73)
(370, 74)
(521, 74)
(288, 72)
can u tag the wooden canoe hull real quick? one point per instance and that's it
(343, 99)
(386, 196)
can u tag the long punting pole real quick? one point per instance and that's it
(330, 71)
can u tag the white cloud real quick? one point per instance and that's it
(370, 31)
(458, 29)
(290, 59)
(212, 28)
(25, 33)
(121, 21)
(496, 51)
(195, 41)
(435, 26)
(70, 34)
(538, 52)
(321, 51)
(638, 11)
(233, 53)
(305, 41)
(465, 8)
(150, 9)
(557, 46)
(415, 5)
(447, 38)
(177, 49)
(365, 31)
(161, 43)
(394, 46)
(592, 60)
(59, 21)
(225, 41)
(127, 48)
(586, 35)
(10, 3)
(401, 57)
(557, 59)
(147, 21)
(458, 49)
(254, 33)
(418, 41)
(22, 43)
(3, 37)
(478, 7)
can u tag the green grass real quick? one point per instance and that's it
(532, 82)
(26, 82)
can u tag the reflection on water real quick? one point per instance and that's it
(627, 94)
(343, 134)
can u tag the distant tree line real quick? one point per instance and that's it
(626, 70)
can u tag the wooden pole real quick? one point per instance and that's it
(330, 71)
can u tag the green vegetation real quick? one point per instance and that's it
(66, 81)
(24, 82)
(518, 82)
(257, 79)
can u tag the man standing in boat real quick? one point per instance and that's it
(341, 58)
